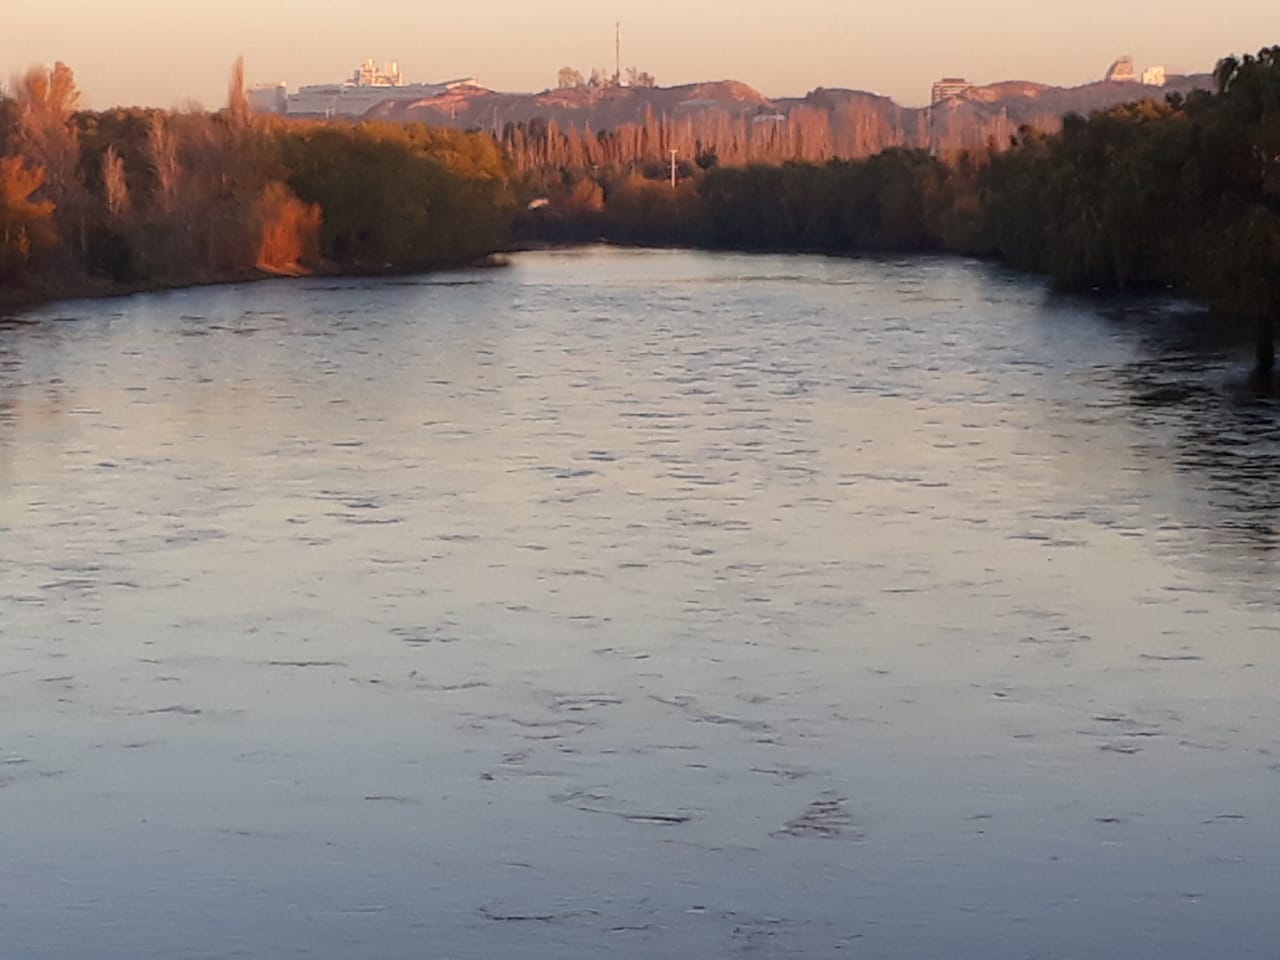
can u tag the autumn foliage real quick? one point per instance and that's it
(290, 231)
(26, 225)
(93, 200)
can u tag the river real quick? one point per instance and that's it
(645, 603)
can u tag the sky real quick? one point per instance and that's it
(171, 53)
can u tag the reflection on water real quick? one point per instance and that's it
(1191, 383)
(658, 603)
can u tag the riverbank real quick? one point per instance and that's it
(14, 302)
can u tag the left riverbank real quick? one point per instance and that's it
(15, 302)
(97, 204)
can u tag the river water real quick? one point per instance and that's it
(660, 604)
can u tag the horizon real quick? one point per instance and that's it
(147, 53)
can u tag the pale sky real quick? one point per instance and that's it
(169, 52)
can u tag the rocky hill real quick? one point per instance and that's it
(595, 108)
(740, 124)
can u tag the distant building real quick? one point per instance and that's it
(1154, 76)
(268, 97)
(1122, 71)
(368, 75)
(368, 86)
(949, 88)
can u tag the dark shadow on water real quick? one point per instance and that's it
(1193, 395)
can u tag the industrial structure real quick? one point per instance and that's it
(948, 88)
(1122, 71)
(367, 87)
(1154, 77)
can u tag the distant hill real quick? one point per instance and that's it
(1007, 90)
(598, 108)
(739, 124)
(999, 110)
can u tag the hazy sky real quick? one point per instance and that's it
(166, 52)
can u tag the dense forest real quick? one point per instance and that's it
(1182, 194)
(132, 198)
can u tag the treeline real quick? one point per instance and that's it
(1183, 194)
(135, 198)
(815, 132)
(896, 201)
(826, 125)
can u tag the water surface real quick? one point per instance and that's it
(656, 603)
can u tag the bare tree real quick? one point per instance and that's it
(568, 78)
(47, 97)
(115, 184)
(237, 96)
(162, 154)
(47, 100)
(640, 78)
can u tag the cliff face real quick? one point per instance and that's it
(741, 125)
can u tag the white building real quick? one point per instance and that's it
(1122, 71)
(368, 75)
(368, 86)
(948, 88)
(268, 97)
(1154, 76)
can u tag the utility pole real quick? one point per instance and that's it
(617, 53)
(674, 151)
